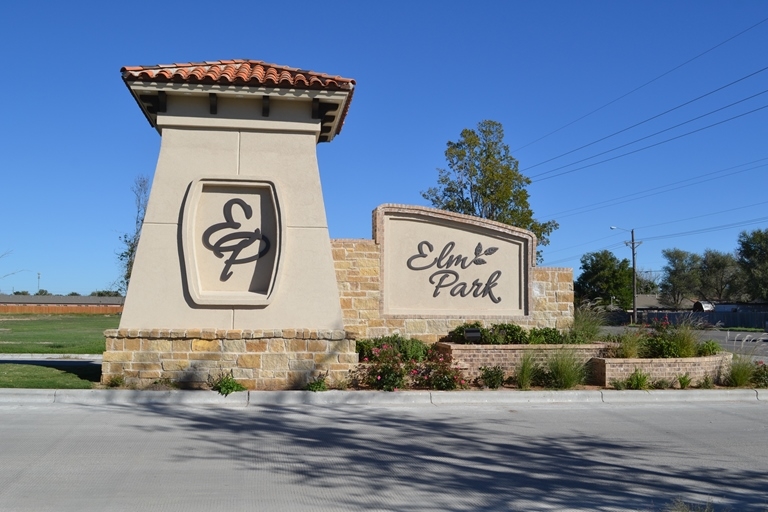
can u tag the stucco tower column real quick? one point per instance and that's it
(235, 234)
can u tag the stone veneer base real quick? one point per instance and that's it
(259, 360)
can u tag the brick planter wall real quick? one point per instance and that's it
(471, 357)
(267, 360)
(607, 370)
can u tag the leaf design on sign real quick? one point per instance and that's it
(478, 249)
(490, 251)
(479, 261)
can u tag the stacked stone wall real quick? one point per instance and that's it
(358, 273)
(267, 360)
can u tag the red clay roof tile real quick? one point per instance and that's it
(238, 72)
(242, 72)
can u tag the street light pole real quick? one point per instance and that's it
(633, 245)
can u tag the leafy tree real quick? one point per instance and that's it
(130, 241)
(647, 283)
(43, 292)
(752, 254)
(604, 276)
(105, 293)
(483, 180)
(681, 277)
(21, 292)
(73, 294)
(720, 277)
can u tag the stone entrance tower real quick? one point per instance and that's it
(235, 244)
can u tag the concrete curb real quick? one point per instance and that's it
(435, 398)
(690, 395)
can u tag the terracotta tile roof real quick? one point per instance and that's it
(238, 72)
(242, 72)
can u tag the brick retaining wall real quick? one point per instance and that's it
(470, 358)
(267, 360)
(607, 370)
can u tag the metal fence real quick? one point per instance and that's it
(728, 319)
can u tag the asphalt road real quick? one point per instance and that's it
(585, 457)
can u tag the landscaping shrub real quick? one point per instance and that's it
(669, 340)
(760, 375)
(408, 348)
(224, 383)
(317, 384)
(661, 384)
(437, 372)
(707, 382)
(545, 335)
(386, 369)
(588, 318)
(740, 374)
(631, 343)
(527, 371)
(638, 380)
(564, 370)
(508, 334)
(684, 380)
(707, 348)
(492, 377)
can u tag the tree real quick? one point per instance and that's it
(720, 277)
(483, 180)
(130, 241)
(603, 276)
(43, 292)
(647, 282)
(681, 278)
(752, 254)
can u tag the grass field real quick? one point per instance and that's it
(54, 334)
(41, 377)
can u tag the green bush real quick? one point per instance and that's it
(492, 377)
(760, 375)
(437, 372)
(740, 374)
(527, 371)
(631, 343)
(707, 382)
(408, 348)
(386, 369)
(684, 380)
(224, 383)
(317, 384)
(508, 334)
(587, 321)
(671, 341)
(707, 348)
(564, 370)
(457, 335)
(661, 384)
(545, 335)
(638, 380)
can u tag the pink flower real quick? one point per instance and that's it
(365, 359)
(378, 377)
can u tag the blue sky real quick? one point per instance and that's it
(73, 140)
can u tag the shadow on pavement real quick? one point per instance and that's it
(369, 459)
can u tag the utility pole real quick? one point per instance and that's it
(633, 245)
(38, 281)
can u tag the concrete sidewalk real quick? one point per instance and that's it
(436, 398)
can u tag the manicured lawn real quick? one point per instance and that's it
(54, 334)
(40, 377)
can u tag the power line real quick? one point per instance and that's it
(650, 119)
(669, 187)
(649, 146)
(644, 85)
